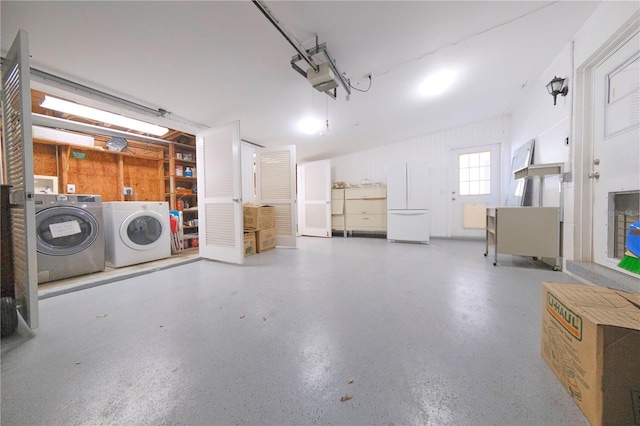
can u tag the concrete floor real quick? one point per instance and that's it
(429, 334)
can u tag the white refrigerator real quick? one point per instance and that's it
(408, 202)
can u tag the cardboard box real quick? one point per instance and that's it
(265, 240)
(258, 216)
(249, 243)
(591, 342)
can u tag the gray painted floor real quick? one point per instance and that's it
(429, 334)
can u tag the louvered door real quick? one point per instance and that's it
(276, 186)
(18, 151)
(220, 194)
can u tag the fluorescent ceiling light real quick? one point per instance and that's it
(101, 116)
(310, 125)
(437, 83)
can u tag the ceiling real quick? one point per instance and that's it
(213, 62)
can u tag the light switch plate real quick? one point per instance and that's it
(71, 188)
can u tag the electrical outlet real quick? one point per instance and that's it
(127, 190)
(71, 188)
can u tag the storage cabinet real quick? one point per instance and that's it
(524, 231)
(337, 210)
(181, 183)
(365, 209)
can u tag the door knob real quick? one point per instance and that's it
(595, 175)
(596, 161)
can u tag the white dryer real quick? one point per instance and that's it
(136, 232)
(69, 235)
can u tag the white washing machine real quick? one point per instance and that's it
(136, 232)
(69, 235)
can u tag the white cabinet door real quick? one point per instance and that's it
(220, 194)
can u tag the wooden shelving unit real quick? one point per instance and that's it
(183, 188)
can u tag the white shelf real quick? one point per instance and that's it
(535, 170)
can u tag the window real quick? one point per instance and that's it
(475, 173)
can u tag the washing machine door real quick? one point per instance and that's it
(65, 230)
(143, 230)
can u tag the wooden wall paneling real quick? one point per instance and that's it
(120, 188)
(63, 179)
(145, 149)
(141, 175)
(160, 178)
(44, 159)
(96, 174)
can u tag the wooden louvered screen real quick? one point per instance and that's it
(18, 149)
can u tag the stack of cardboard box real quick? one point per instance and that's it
(259, 228)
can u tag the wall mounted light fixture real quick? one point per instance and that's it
(556, 87)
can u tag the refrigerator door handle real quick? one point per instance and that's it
(406, 186)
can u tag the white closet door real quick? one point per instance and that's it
(315, 198)
(276, 186)
(16, 129)
(220, 194)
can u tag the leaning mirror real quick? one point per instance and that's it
(522, 157)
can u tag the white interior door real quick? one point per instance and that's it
(18, 151)
(220, 193)
(475, 185)
(314, 195)
(616, 150)
(276, 186)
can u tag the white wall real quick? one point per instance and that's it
(435, 150)
(247, 152)
(535, 116)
